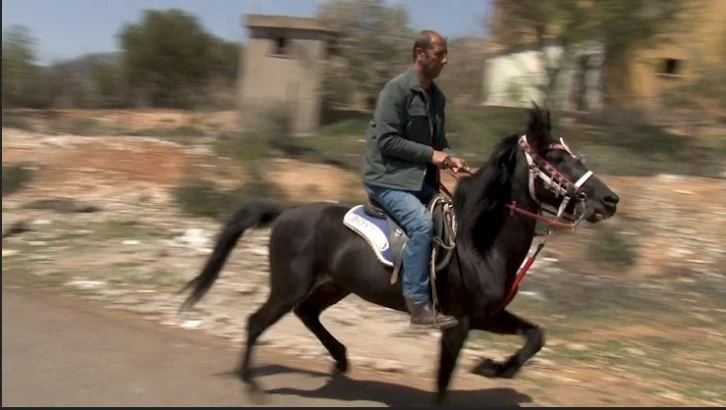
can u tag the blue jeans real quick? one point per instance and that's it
(409, 210)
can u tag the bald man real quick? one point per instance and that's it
(405, 148)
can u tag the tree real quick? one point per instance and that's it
(620, 26)
(462, 77)
(225, 58)
(19, 65)
(169, 57)
(108, 83)
(372, 44)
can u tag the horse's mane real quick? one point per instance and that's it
(480, 200)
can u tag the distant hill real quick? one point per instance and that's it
(81, 66)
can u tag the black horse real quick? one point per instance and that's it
(316, 261)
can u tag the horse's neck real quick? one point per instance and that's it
(512, 240)
(498, 265)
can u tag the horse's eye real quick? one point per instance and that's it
(554, 155)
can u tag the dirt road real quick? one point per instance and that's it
(63, 352)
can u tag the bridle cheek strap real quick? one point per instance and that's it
(555, 181)
(577, 185)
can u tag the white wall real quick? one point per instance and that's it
(513, 79)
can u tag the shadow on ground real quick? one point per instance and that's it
(340, 387)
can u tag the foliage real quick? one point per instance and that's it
(168, 60)
(613, 248)
(462, 77)
(15, 177)
(168, 54)
(109, 81)
(202, 197)
(19, 69)
(372, 45)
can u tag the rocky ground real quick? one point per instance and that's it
(99, 221)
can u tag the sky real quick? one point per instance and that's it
(70, 28)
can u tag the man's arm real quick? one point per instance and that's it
(389, 128)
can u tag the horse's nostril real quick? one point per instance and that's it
(612, 199)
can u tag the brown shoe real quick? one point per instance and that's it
(422, 315)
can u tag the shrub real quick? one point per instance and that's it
(613, 248)
(15, 177)
(200, 197)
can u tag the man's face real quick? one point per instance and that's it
(434, 59)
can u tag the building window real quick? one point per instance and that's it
(333, 47)
(670, 67)
(280, 47)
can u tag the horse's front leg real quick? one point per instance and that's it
(452, 340)
(505, 323)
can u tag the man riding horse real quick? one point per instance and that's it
(321, 252)
(406, 146)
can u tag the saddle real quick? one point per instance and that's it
(441, 208)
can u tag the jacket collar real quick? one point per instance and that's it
(414, 84)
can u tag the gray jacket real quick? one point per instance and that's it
(402, 135)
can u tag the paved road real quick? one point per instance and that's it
(63, 352)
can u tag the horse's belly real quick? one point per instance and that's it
(360, 272)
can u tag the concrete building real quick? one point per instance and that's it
(643, 84)
(282, 68)
(699, 43)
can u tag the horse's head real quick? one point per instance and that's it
(559, 181)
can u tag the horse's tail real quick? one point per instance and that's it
(256, 213)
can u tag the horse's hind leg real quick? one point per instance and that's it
(290, 283)
(321, 298)
(506, 323)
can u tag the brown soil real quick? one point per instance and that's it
(135, 118)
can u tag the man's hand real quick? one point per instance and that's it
(441, 159)
(458, 164)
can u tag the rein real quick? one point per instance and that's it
(515, 209)
(556, 182)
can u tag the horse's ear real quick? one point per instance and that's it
(535, 107)
(534, 114)
(547, 120)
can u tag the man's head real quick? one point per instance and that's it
(430, 53)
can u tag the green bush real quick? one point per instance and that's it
(241, 146)
(273, 133)
(200, 197)
(613, 248)
(180, 134)
(84, 127)
(17, 121)
(15, 177)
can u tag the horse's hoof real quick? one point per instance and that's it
(440, 397)
(342, 366)
(256, 395)
(488, 368)
(491, 369)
